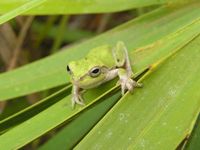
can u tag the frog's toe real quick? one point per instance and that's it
(73, 104)
(139, 85)
(123, 88)
(76, 100)
(80, 102)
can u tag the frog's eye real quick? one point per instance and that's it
(68, 69)
(94, 72)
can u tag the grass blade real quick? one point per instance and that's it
(20, 10)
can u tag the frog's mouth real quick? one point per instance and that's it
(87, 85)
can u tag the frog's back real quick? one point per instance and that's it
(103, 54)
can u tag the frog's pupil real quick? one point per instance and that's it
(95, 70)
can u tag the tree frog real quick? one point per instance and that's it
(100, 65)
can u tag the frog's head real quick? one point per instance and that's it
(86, 73)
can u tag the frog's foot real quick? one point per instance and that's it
(128, 84)
(77, 99)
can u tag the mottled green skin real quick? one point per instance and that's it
(100, 56)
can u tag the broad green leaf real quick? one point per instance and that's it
(77, 6)
(34, 109)
(160, 115)
(14, 107)
(76, 129)
(19, 10)
(50, 72)
(31, 129)
(193, 141)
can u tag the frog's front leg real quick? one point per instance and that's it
(120, 54)
(76, 96)
(122, 61)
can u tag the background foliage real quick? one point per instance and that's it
(163, 42)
